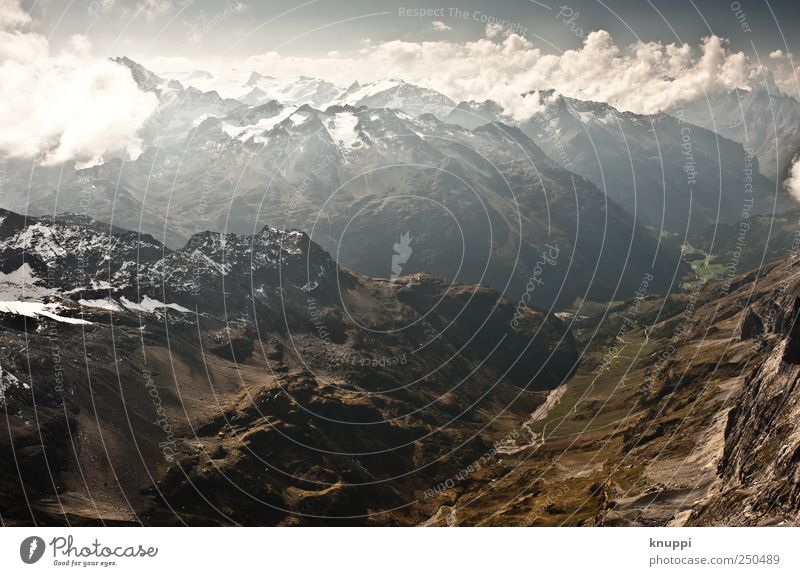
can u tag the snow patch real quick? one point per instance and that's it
(104, 303)
(91, 163)
(298, 119)
(150, 305)
(244, 133)
(21, 284)
(202, 118)
(342, 128)
(37, 309)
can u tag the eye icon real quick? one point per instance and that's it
(31, 550)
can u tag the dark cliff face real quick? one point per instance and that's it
(245, 379)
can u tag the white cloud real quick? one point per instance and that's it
(154, 9)
(12, 16)
(495, 30)
(785, 72)
(440, 26)
(792, 183)
(644, 77)
(65, 106)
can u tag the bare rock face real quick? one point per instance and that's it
(760, 464)
(762, 443)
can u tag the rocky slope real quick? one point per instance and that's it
(683, 412)
(244, 379)
(283, 389)
(759, 481)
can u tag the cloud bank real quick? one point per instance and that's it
(792, 183)
(644, 77)
(65, 106)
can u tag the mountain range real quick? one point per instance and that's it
(764, 120)
(480, 204)
(388, 158)
(673, 175)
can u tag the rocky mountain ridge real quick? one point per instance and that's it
(244, 380)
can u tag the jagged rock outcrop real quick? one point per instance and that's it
(752, 326)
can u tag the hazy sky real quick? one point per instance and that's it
(209, 29)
